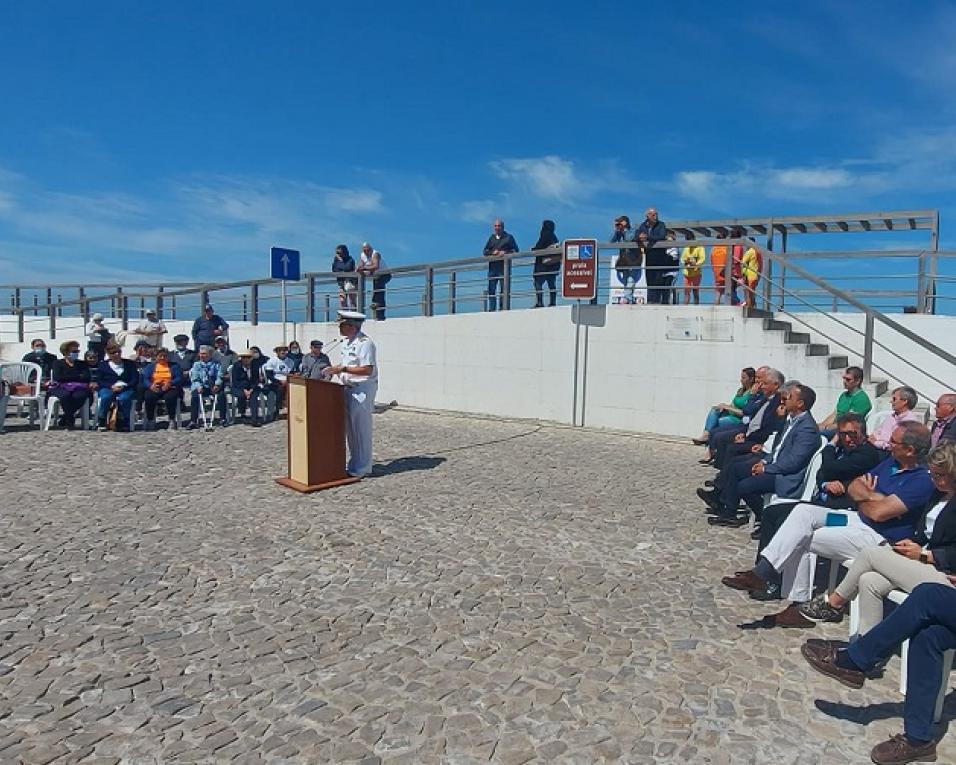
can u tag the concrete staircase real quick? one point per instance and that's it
(837, 361)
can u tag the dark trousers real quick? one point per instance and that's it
(655, 295)
(378, 294)
(736, 468)
(722, 439)
(927, 618)
(542, 279)
(742, 485)
(195, 402)
(169, 398)
(71, 402)
(239, 394)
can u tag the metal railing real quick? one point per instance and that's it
(461, 285)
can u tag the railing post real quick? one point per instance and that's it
(159, 301)
(328, 307)
(203, 300)
(921, 282)
(429, 303)
(360, 302)
(506, 286)
(452, 292)
(21, 326)
(245, 308)
(254, 303)
(84, 305)
(51, 312)
(122, 304)
(172, 307)
(728, 275)
(868, 347)
(59, 304)
(310, 299)
(49, 295)
(36, 304)
(16, 300)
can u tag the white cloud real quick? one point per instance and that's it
(480, 210)
(549, 177)
(811, 178)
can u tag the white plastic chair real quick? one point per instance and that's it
(21, 372)
(53, 408)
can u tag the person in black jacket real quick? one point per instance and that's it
(343, 262)
(38, 355)
(847, 456)
(117, 378)
(546, 266)
(71, 383)
(498, 244)
(928, 557)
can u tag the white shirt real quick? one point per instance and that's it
(280, 368)
(359, 352)
(366, 260)
(150, 326)
(931, 517)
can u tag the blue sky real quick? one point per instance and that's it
(179, 140)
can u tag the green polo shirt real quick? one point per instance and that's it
(857, 402)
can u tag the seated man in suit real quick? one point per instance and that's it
(889, 501)
(782, 471)
(944, 429)
(847, 456)
(761, 425)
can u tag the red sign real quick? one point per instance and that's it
(579, 269)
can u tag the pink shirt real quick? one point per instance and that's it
(881, 438)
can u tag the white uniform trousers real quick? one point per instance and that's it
(359, 402)
(804, 535)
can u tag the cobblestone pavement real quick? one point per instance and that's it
(497, 592)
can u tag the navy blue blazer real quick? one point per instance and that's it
(107, 378)
(790, 458)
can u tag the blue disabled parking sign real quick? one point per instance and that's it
(285, 264)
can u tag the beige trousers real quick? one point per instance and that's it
(877, 570)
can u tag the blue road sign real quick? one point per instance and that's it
(285, 264)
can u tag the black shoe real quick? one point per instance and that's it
(707, 461)
(755, 534)
(192, 426)
(770, 592)
(709, 484)
(723, 520)
(711, 499)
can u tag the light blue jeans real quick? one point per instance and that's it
(715, 419)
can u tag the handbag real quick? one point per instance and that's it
(21, 389)
(112, 416)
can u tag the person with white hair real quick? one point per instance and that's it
(371, 263)
(98, 335)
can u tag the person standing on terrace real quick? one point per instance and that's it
(498, 244)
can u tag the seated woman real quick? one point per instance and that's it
(722, 415)
(116, 379)
(928, 557)
(163, 381)
(71, 383)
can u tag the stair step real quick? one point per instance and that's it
(818, 349)
(800, 338)
(757, 313)
(777, 324)
(838, 362)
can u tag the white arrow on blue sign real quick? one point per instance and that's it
(285, 264)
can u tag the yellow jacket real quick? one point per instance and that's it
(693, 258)
(751, 265)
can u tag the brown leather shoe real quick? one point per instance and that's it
(899, 750)
(746, 581)
(822, 657)
(791, 617)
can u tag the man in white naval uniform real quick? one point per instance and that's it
(359, 373)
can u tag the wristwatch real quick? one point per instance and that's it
(923, 558)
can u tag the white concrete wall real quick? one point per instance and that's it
(520, 363)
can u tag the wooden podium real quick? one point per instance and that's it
(316, 436)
